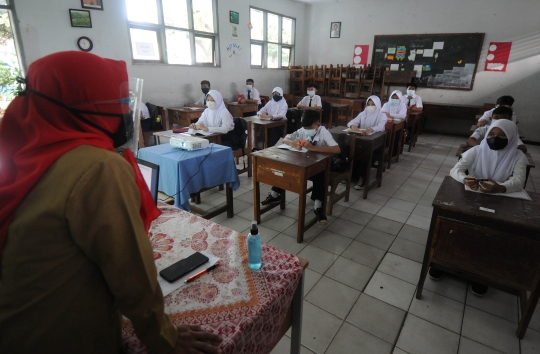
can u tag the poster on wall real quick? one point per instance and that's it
(360, 55)
(497, 57)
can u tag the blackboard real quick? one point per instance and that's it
(446, 61)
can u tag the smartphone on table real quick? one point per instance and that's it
(183, 266)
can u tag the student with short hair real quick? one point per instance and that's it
(201, 103)
(506, 101)
(312, 100)
(395, 108)
(316, 138)
(251, 94)
(372, 120)
(412, 101)
(501, 112)
(275, 109)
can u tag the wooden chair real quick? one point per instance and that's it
(352, 82)
(367, 81)
(346, 142)
(388, 142)
(308, 75)
(238, 153)
(146, 136)
(289, 98)
(319, 79)
(334, 81)
(297, 80)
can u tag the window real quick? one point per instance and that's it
(181, 32)
(11, 65)
(272, 39)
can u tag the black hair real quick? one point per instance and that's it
(413, 84)
(310, 117)
(505, 101)
(248, 80)
(503, 110)
(312, 85)
(205, 82)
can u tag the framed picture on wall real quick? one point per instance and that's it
(80, 18)
(92, 4)
(234, 17)
(335, 29)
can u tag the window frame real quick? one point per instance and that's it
(264, 42)
(14, 22)
(160, 28)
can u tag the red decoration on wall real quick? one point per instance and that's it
(497, 57)
(360, 55)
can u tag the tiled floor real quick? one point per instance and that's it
(365, 263)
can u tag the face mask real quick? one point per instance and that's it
(394, 102)
(211, 105)
(277, 98)
(410, 93)
(205, 90)
(311, 93)
(371, 109)
(249, 87)
(310, 132)
(497, 143)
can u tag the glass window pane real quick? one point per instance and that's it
(256, 54)
(273, 28)
(4, 2)
(142, 11)
(272, 55)
(203, 15)
(285, 57)
(178, 47)
(175, 13)
(204, 50)
(9, 63)
(257, 22)
(144, 44)
(286, 30)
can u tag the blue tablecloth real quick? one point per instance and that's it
(176, 166)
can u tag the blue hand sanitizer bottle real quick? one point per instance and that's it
(254, 247)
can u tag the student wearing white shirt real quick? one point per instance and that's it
(317, 139)
(251, 94)
(312, 100)
(275, 109)
(412, 101)
(506, 101)
(395, 108)
(146, 122)
(205, 88)
(372, 120)
(216, 118)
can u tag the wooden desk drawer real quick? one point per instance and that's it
(280, 175)
(497, 256)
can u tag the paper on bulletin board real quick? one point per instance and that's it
(360, 55)
(391, 50)
(438, 45)
(497, 58)
(418, 69)
(419, 51)
(394, 67)
(428, 53)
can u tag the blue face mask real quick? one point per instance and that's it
(310, 132)
(394, 102)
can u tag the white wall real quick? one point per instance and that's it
(501, 20)
(45, 28)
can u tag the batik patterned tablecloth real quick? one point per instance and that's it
(245, 307)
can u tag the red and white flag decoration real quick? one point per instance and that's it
(360, 55)
(497, 57)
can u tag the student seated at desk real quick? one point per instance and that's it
(201, 103)
(412, 100)
(500, 112)
(146, 122)
(216, 118)
(494, 166)
(312, 100)
(251, 94)
(506, 101)
(395, 108)
(275, 109)
(318, 139)
(372, 120)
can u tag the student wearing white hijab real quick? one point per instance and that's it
(395, 108)
(275, 109)
(372, 120)
(216, 118)
(497, 159)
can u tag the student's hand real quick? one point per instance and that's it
(354, 127)
(243, 100)
(192, 339)
(388, 115)
(491, 187)
(201, 127)
(296, 144)
(192, 126)
(472, 182)
(369, 130)
(481, 123)
(308, 145)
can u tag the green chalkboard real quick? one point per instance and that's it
(444, 61)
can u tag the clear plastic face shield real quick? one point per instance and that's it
(131, 110)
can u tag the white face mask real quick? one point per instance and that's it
(394, 102)
(410, 93)
(249, 87)
(371, 109)
(211, 105)
(311, 93)
(310, 132)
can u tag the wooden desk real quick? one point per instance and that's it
(396, 142)
(290, 171)
(501, 249)
(238, 109)
(414, 119)
(182, 116)
(449, 118)
(260, 130)
(365, 145)
(214, 138)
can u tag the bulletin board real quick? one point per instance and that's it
(441, 61)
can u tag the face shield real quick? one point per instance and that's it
(131, 111)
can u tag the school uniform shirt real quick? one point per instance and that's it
(144, 111)
(411, 101)
(202, 100)
(218, 120)
(481, 132)
(315, 101)
(375, 120)
(488, 114)
(253, 95)
(276, 109)
(399, 111)
(322, 138)
(505, 166)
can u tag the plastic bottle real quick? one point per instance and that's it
(254, 247)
